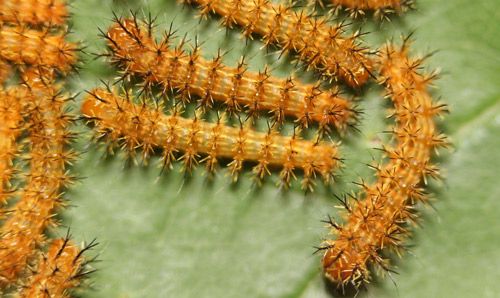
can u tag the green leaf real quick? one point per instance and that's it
(174, 236)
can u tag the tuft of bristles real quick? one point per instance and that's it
(49, 136)
(320, 45)
(138, 126)
(379, 8)
(22, 45)
(134, 49)
(34, 12)
(59, 271)
(10, 128)
(378, 218)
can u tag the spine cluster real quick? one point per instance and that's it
(134, 49)
(34, 12)
(379, 7)
(322, 46)
(10, 119)
(59, 271)
(21, 45)
(139, 126)
(378, 219)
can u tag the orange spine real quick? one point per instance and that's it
(322, 46)
(24, 46)
(34, 12)
(379, 221)
(58, 272)
(146, 128)
(10, 122)
(136, 51)
(22, 232)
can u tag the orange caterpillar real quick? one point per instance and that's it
(5, 71)
(10, 122)
(320, 45)
(21, 45)
(136, 51)
(58, 272)
(380, 7)
(139, 126)
(22, 232)
(34, 12)
(378, 219)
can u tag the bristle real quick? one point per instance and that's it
(22, 232)
(379, 8)
(320, 45)
(40, 48)
(134, 49)
(34, 12)
(379, 223)
(10, 128)
(57, 272)
(141, 127)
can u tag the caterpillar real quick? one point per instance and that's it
(380, 7)
(136, 52)
(5, 71)
(58, 271)
(139, 126)
(379, 222)
(321, 46)
(22, 231)
(10, 128)
(40, 48)
(34, 12)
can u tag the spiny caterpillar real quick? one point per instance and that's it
(24, 46)
(380, 221)
(139, 126)
(5, 71)
(22, 232)
(379, 7)
(34, 12)
(59, 271)
(30, 41)
(137, 52)
(10, 122)
(320, 45)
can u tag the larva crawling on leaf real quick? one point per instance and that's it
(377, 221)
(34, 12)
(379, 7)
(321, 46)
(49, 135)
(137, 126)
(40, 48)
(134, 49)
(58, 271)
(10, 128)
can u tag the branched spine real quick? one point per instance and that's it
(59, 271)
(10, 128)
(40, 48)
(34, 12)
